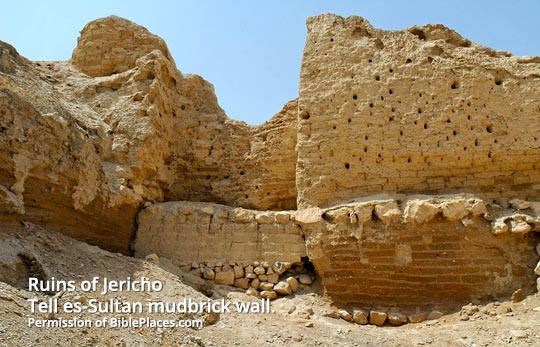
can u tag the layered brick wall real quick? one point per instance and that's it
(191, 232)
(378, 255)
(414, 111)
(410, 253)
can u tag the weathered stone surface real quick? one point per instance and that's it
(377, 318)
(388, 212)
(346, 315)
(241, 283)
(308, 216)
(434, 315)
(420, 211)
(266, 286)
(255, 283)
(252, 291)
(361, 316)
(518, 295)
(397, 319)
(268, 294)
(224, 278)
(293, 283)
(273, 278)
(238, 271)
(455, 209)
(283, 288)
(537, 269)
(304, 279)
(208, 274)
(417, 317)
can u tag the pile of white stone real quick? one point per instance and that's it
(258, 278)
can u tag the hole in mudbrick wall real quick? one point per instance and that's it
(476, 142)
(425, 126)
(370, 61)
(390, 91)
(331, 40)
(408, 61)
(465, 149)
(306, 267)
(393, 109)
(495, 141)
(391, 119)
(415, 122)
(183, 107)
(448, 120)
(390, 70)
(455, 132)
(498, 81)
(382, 98)
(401, 133)
(430, 59)
(489, 155)
(489, 129)
(365, 149)
(347, 166)
(419, 110)
(334, 127)
(377, 78)
(366, 137)
(409, 160)
(454, 85)
(468, 117)
(371, 104)
(349, 120)
(305, 115)
(355, 96)
(241, 173)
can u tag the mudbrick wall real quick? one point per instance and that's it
(105, 146)
(188, 231)
(381, 252)
(422, 110)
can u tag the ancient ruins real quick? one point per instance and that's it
(405, 178)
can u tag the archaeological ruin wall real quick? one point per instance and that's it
(117, 144)
(422, 110)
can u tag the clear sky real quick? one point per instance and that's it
(251, 50)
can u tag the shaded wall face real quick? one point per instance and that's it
(416, 112)
(439, 265)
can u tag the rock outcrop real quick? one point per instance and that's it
(87, 143)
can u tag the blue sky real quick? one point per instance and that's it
(251, 50)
